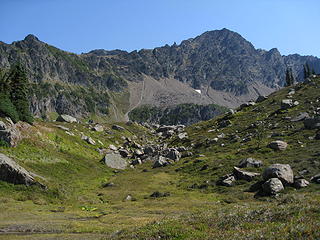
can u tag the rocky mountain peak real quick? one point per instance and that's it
(31, 38)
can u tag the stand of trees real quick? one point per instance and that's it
(289, 77)
(14, 94)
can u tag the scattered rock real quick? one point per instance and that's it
(315, 179)
(66, 118)
(159, 194)
(278, 145)
(113, 147)
(90, 141)
(10, 134)
(12, 172)
(161, 162)
(172, 154)
(110, 184)
(272, 186)
(117, 127)
(261, 99)
(62, 127)
(250, 162)
(227, 180)
(312, 123)
(114, 160)
(129, 198)
(98, 128)
(124, 153)
(300, 117)
(317, 137)
(182, 136)
(280, 171)
(300, 183)
(244, 175)
(245, 105)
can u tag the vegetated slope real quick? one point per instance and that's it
(79, 200)
(186, 114)
(224, 66)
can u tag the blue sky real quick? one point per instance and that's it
(83, 25)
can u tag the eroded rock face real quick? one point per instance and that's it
(280, 171)
(12, 172)
(272, 186)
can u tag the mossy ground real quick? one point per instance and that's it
(77, 206)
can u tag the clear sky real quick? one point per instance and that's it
(83, 25)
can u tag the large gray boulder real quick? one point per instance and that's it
(278, 145)
(272, 186)
(98, 128)
(66, 118)
(280, 171)
(114, 160)
(12, 172)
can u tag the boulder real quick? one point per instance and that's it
(315, 179)
(300, 117)
(317, 137)
(261, 99)
(90, 141)
(300, 183)
(182, 135)
(115, 161)
(10, 134)
(248, 104)
(272, 186)
(227, 180)
(158, 194)
(312, 123)
(98, 128)
(244, 175)
(172, 154)
(66, 118)
(12, 172)
(117, 127)
(161, 162)
(113, 147)
(278, 145)
(280, 171)
(149, 150)
(286, 104)
(124, 153)
(250, 162)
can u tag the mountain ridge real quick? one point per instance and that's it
(224, 66)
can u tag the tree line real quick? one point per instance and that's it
(14, 89)
(307, 72)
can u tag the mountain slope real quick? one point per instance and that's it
(223, 65)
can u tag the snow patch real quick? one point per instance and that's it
(198, 91)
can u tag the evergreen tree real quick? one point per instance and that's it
(306, 71)
(7, 109)
(289, 77)
(19, 92)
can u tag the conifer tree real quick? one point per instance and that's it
(19, 92)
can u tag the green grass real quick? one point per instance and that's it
(76, 205)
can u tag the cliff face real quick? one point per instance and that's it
(224, 66)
